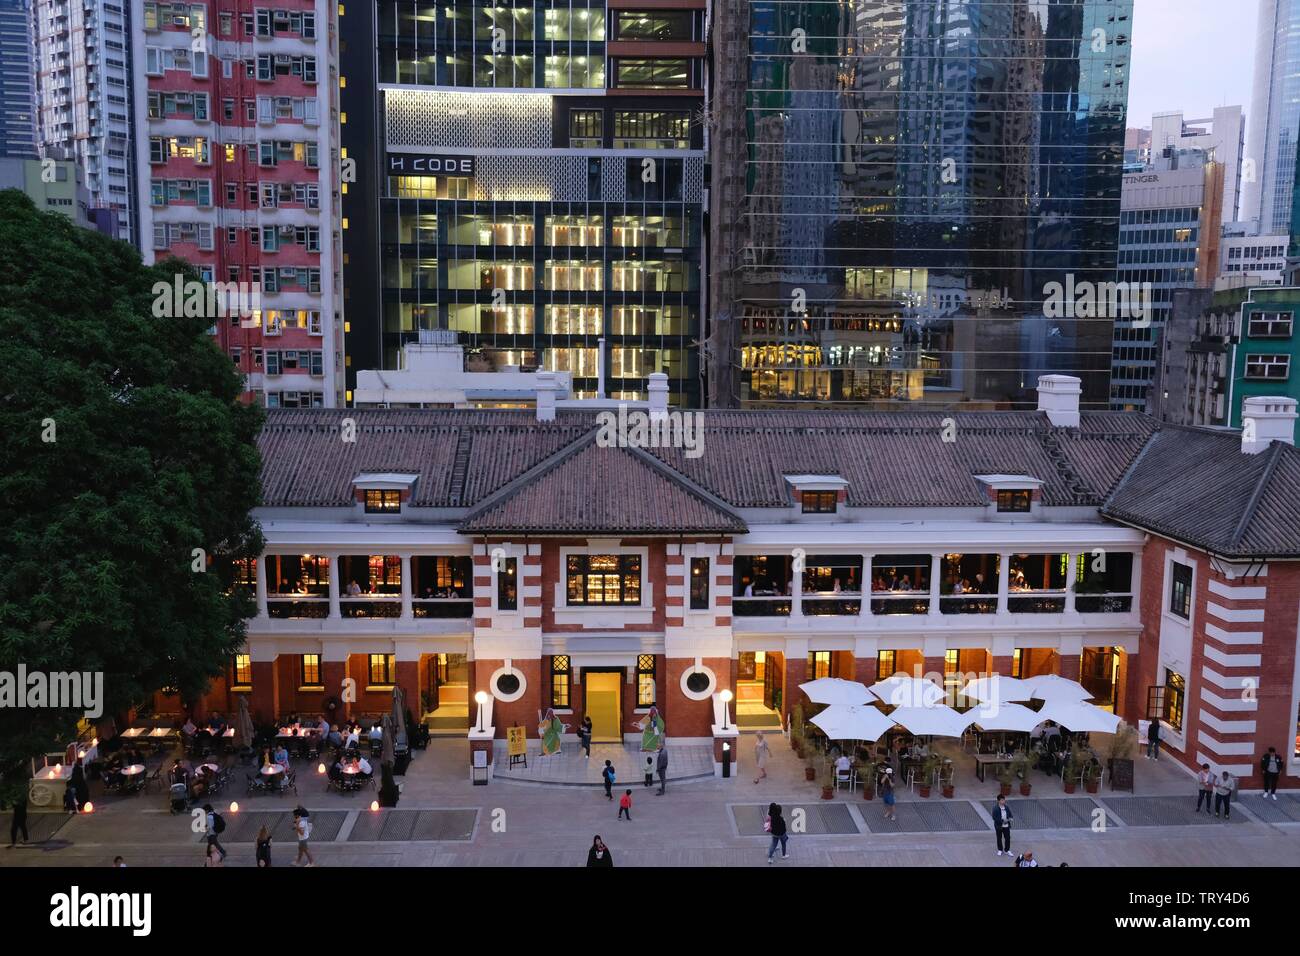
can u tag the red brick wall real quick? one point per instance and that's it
(522, 711)
(684, 717)
(653, 579)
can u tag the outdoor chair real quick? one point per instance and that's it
(255, 783)
(844, 778)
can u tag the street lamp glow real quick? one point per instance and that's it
(480, 698)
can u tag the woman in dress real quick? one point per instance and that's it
(761, 753)
(549, 729)
(263, 847)
(652, 731)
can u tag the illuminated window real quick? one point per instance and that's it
(1175, 693)
(949, 663)
(508, 585)
(604, 579)
(819, 664)
(382, 667)
(1017, 663)
(645, 680)
(886, 664)
(560, 681)
(1180, 592)
(819, 502)
(309, 674)
(242, 669)
(379, 501)
(699, 584)
(1015, 500)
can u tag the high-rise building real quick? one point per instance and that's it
(907, 181)
(17, 77)
(529, 176)
(1170, 225)
(1244, 252)
(84, 96)
(1274, 117)
(237, 148)
(1223, 136)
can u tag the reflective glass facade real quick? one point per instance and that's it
(916, 174)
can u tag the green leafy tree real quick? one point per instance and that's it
(125, 447)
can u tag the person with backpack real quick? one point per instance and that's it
(774, 826)
(302, 829)
(214, 824)
(1271, 766)
(607, 775)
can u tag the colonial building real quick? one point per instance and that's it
(537, 560)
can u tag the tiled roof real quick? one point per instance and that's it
(589, 489)
(1196, 486)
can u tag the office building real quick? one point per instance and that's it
(1274, 118)
(237, 149)
(896, 188)
(1222, 136)
(531, 178)
(17, 80)
(1243, 252)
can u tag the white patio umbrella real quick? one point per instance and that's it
(1079, 716)
(836, 690)
(1016, 718)
(997, 688)
(851, 722)
(939, 720)
(1052, 687)
(903, 690)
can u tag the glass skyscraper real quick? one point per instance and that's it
(915, 175)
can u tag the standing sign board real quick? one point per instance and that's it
(517, 745)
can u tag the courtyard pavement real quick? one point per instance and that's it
(444, 820)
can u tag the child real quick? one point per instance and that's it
(625, 805)
(608, 776)
(649, 771)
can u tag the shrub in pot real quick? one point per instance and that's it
(867, 777)
(926, 772)
(810, 767)
(1021, 766)
(1005, 780)
(828, 782)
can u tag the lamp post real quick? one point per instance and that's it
(480, 698)
(726, 699)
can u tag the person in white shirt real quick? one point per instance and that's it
(842, 764)
(1027, 859)
(1205, 791)
(363, 765)
(749, 590)
(354, 736)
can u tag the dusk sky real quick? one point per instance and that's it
(1191, 55)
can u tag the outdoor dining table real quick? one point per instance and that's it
(133, 732)
(133, 770)
(984, 761)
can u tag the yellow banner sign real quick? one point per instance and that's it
(516, 741)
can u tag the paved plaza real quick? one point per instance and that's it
(444, 820)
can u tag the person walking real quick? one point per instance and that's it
(1153, 739)
(761, 752)
(213, 825)
(19, 823)
(263, 852)
(775, 827)
(625, 806)
(1223, 788)
(599, 854)
(213, 857)
(584, 736)
(1002, 818)
(662, 766)
(607, 775)
(887, 794)
(302, 829)
(1205, 793)
(1271, 765)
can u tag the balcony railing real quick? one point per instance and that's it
(1103, 603)
(1037, 602)
(442, 607)
(900, 602)
(818, 606)
(299, 606)
(775, 606)
(969, 604)
(376, 605)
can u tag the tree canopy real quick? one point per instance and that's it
(125, 447)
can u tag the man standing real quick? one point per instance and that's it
(213, 825)
(1205, 794)
(1002, 825)
(1223, 788)
(1153, 739)
(1272, 767)
(19, 823)
(661, 765)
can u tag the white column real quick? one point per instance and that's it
(866, 586)
(1071, 569)
(936, 569)
(261, 585)
(1004, 581)
(407, 613)
(796, 590)
(335, 613)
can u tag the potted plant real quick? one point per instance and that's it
(946, 774)
(828, 781)
(1021, 766)
(1091, 774)
(810, 766)
(1006, 777)
(867, 775)
(796, 729)
(1073, 767)
(927, 770)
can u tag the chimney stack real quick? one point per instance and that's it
(546, 396)
(1266, 419)
(1058, 396)
(658, 395)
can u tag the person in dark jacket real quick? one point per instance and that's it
(599, 854)
(607, 776)
(661, 765)
(776, 828)
(1271, 766)
(20, 819)
(263, 851)
(1153, 740)
(1002, 825)
(584, 736)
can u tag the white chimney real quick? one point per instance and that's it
(1266, 419)
(546, 396)
(1058, 396)
(658, 395)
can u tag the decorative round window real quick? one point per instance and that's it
(698, 683)
(508, 684)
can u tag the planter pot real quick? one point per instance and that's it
(1025, 788)
(868, 794)
(1004, 789)
(828, 793)
(809, 773)
(947, 792)
(1069, 786)
(1091, 786)
(923, 790)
